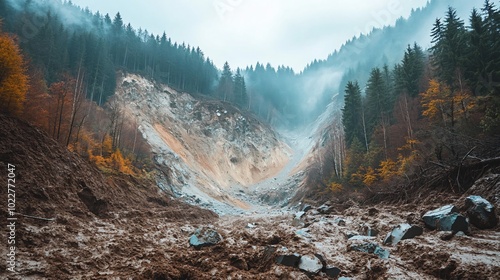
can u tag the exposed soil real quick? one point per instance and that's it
(116, 227)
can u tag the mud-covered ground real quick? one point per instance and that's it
(151, 246)
(115, 227)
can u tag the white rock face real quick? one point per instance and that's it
(310, 264)
(204, 147)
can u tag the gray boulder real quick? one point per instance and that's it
(481, 212)
(204, 237)
(446, 218)
(401, 232)
(310, 264)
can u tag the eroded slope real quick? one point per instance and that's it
(204, 147)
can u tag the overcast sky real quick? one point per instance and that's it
(242, 32)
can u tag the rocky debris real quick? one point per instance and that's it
(360, 237)
(332, 272)
(306, 208)
(446, 218)
(303, 233)
(368, 247)
(431, 218)
(325, 209)
(204, 237)
(300, 214)
(368, 230)
(402, 232)
(340, 222)
(251, 225)
(481, 212)
(288, 260)
(310, 264)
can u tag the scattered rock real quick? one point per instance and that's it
(360, 237)
(303, 233)
(310, 264)
(445, 235)
(481, 212)
(288, 260)
(370, 248)
(296, 275)
(350, 234)
(204, 237)
(306, 208)
(324, 209)
(299, 214)
(401, 232)
(339, 221)
(368, 230)
(431, 218)
(446, 218)
(332, 272)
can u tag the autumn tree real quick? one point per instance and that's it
(13, 79)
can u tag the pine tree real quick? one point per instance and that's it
(226, 83)
(240, 90)
(409, 73)
(449, 39)
(351, 113)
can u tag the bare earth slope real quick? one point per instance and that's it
(206, 149)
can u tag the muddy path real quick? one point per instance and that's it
(153, 246)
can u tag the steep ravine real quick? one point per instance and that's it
(209, 151)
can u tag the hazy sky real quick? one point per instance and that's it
(242, 32)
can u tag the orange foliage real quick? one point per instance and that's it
(13, 80)
(439, 103)
(434, 100)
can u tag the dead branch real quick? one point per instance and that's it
(36, 218)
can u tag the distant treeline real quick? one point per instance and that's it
(62, 39)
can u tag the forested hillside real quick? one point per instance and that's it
(432, 119)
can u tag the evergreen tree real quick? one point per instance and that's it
(449, 49)
(378, 104)
(409, 72)
(226, 83)
(240, 90)
(352, 113)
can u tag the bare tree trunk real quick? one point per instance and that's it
(364, 127)
(76, 102)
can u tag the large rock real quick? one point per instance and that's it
(446, 218)
(481, 212)
(288, 260)
(401, 232)
(310, 264)
(204, 237)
